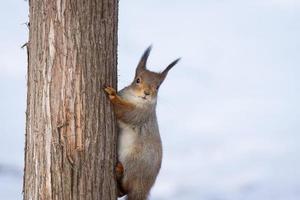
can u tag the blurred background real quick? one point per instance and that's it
(229, 112)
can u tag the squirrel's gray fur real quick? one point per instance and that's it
(139, 143)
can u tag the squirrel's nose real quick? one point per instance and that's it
(146, 93)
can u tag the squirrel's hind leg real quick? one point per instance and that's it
(137, 195)
(119, 171)
(138, 190)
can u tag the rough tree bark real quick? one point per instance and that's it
(70, 150)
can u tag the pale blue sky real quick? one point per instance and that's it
(228, 112)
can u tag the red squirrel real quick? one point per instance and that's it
(139, 142)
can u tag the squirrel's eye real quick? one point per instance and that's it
(138, 80)
(157, 87)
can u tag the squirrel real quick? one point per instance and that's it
(139, 142)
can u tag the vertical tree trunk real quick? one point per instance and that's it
(70, 150)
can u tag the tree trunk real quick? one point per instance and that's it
(70, 150)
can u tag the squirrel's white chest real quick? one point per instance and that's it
(126, 141)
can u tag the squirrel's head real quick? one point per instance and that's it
(146, 83)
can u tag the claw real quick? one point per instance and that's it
(111, 92)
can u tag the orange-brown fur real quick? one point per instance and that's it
(139, 143)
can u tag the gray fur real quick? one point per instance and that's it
(139, 143)
(142, 165)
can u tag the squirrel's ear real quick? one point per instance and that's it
(142, 64)
(165, 72)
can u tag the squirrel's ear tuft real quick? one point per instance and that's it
(170, 66)
(143, 61)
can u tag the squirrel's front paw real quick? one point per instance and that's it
(111, 92)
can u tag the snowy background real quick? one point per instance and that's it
(229, 112)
